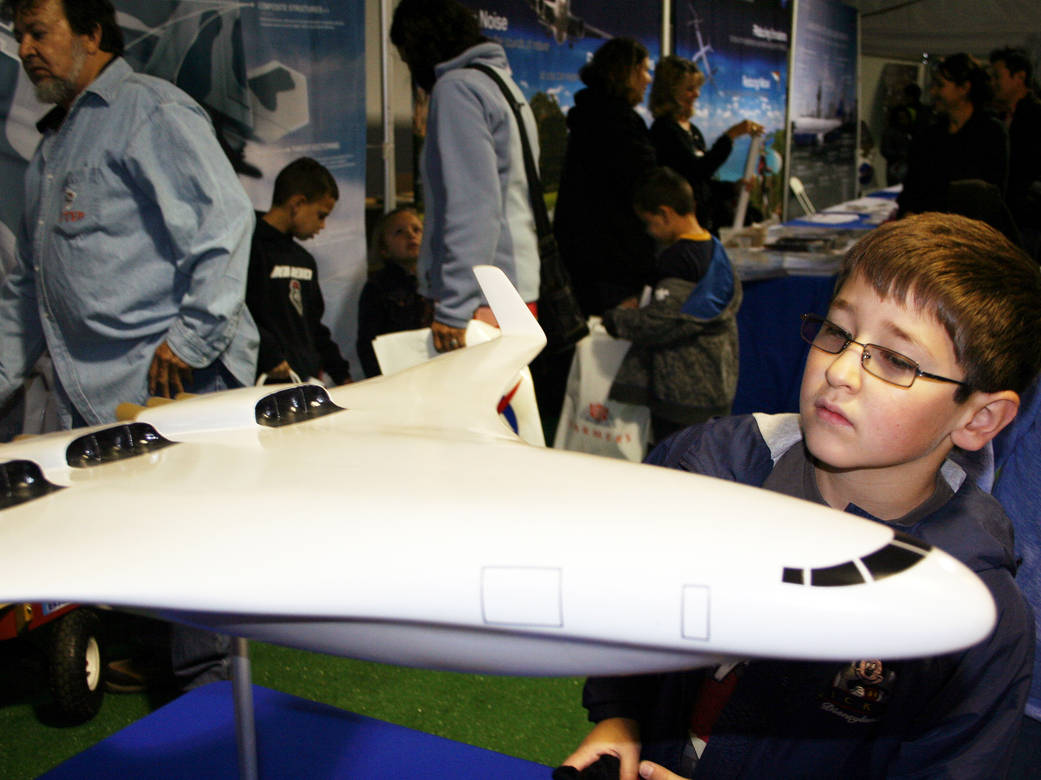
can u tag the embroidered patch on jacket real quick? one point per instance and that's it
(296, 296)
(860, 693)
(68, 213)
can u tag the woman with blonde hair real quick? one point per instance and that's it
(677, 141)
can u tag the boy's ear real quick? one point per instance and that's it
(987, 414)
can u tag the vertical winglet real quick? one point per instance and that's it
(509, 308)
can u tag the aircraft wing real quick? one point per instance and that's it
(399, 520)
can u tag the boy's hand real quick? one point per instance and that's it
(651, 771)
(619, 737)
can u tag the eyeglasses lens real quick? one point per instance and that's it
(823, 335)
(890, 366)
(879, 361)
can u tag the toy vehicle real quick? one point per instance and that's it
(69, 636)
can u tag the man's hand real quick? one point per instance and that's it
(168, 374)
(447, 338)
(617, 736)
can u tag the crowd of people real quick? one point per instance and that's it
(143, 270)
(974, 151)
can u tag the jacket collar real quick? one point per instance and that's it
(105, 86)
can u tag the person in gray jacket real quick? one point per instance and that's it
(472, 167)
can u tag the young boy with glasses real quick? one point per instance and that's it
(933, 333)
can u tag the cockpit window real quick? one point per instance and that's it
(897, 556)
(891, 559)
(831, 576)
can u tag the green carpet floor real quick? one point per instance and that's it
(537, 719)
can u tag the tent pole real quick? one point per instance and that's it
(666, 27)
(390, 195)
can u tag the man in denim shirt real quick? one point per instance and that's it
(134, 247)
(133, 251)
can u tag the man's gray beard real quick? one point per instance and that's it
(61, 91)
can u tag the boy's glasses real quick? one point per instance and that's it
(887, 365)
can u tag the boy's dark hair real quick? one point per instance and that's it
(83, 16)
(431, 31)
(983, 290)
(960, 68)
(1016, 61)
(664, 187)
(306, 177)
(612, 66)
(668, 74)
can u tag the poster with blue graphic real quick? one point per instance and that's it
(548, 41)
(823, 115)
(742, 49)
(279, 80)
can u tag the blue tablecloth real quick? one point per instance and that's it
(194, 736)
(772, 354)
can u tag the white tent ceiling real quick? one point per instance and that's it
(904, 29)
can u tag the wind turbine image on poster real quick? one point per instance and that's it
(556, 17)
(701, 53)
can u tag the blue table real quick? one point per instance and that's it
(781, 286)
(771, 353)
(194, 736)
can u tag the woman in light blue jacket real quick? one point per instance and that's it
(472, 167)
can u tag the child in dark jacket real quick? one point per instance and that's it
(390, 301)
(928, 343)
(683, 363)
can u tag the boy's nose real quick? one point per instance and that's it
(845, 368)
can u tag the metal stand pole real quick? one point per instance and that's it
(390, 191)
(245, 728)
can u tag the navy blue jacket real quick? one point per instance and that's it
(951, 716)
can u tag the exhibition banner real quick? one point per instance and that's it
(548, 41)
(823, 111)
(742, 49)
(279, 80)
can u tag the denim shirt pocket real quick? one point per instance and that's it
(79, 203)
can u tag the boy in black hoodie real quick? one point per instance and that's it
(282, 292)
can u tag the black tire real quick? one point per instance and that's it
(76, 668)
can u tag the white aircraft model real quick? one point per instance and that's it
(397, 519)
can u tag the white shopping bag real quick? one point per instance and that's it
(404, 349)
(589, 420)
